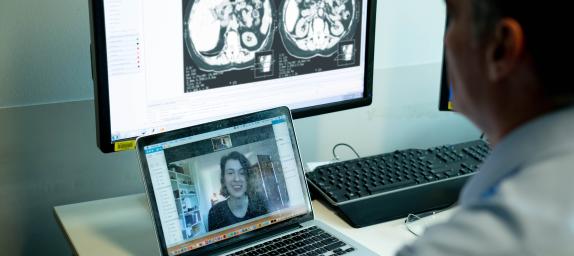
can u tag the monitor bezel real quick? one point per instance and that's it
(445, 82)
(444, 94)
(101, 86)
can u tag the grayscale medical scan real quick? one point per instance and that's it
(245, 41)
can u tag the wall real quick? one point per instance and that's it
(44, 52)
(48, 154)
(45, 58)
(48, 158)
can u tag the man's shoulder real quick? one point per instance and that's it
(549, 174)
(546, 183)
(534, 203)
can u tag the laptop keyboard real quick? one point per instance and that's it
(311, 241)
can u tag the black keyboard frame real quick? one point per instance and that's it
(415, 198)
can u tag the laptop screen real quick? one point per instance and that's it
(232, 178)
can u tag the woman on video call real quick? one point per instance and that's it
(241, 203)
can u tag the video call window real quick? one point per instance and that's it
(226, 180)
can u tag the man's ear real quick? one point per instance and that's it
(504, 49)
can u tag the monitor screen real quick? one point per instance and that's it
(164, 65)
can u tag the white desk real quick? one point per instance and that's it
(123, 226)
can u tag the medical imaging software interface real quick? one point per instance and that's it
(195, 179)
(179, 62)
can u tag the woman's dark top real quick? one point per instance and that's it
(221, 216)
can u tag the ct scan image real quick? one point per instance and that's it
(225, 34)
(234, 42)
(315, 27)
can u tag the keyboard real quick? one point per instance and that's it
(311, 241)
(388, 186)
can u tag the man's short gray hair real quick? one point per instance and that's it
(545, 26)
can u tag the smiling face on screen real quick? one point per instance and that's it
(235, 178)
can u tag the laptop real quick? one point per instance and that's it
(235, 187)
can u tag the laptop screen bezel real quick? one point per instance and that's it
(213, 126)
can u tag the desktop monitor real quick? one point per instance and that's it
(164, 65)
(445, 102)
(445, 98)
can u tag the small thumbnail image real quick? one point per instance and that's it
(220, 143)
(264, 64)
(346, 55)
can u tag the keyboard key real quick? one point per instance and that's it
(330, 240)
(300, 251)
(309, 248)
(351, 196)
(441, 170)
(334, 246)
(451, 173)
(383, 188)
(363, 193)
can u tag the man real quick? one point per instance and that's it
(505, 59)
